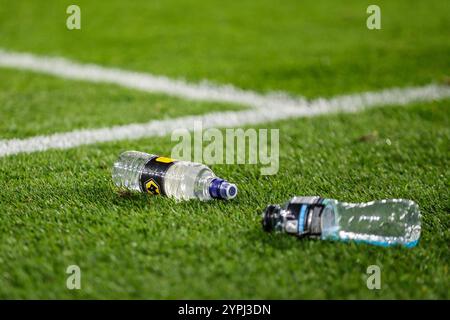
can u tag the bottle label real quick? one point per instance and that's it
(152, 177)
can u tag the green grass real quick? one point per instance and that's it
(305, 47)
(59, 207)
(34, 104)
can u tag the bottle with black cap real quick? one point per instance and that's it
(383, 222)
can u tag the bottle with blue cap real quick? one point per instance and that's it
(383, 222)
(182, 180)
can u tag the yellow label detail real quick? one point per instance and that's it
(164, 160)
(152, 187)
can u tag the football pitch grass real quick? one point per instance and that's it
(59, 207)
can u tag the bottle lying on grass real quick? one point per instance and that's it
(384, 222)
(143, 172)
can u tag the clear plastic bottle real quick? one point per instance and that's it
(143, 172)
(383, 222)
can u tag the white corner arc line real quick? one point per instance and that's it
(348, 103)
(204, 91)
(266, 107)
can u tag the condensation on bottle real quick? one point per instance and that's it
(383, 222)
(182, 180)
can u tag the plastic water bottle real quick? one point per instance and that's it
(384, 222)
(143, 172)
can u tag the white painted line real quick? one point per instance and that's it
(348, 103)
(203, 91)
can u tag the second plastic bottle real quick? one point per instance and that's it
(384, 222)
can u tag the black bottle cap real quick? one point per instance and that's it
(270, 217)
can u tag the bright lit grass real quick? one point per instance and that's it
(312, 48)
(34, 104)
(60, 208)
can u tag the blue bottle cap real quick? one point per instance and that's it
(222, 189)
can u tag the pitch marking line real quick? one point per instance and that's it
(203, 91)
(281, 106)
